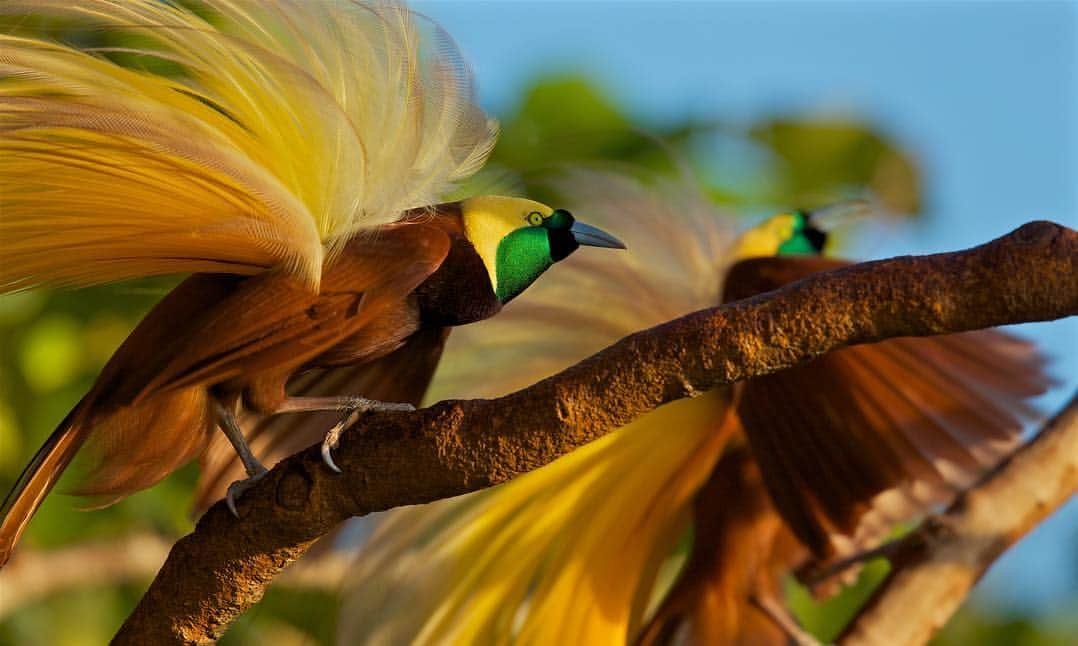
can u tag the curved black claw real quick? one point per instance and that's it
(237, 488)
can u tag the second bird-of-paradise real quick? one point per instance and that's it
(680, 527)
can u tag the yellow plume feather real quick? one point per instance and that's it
(568, 553)
(286, 128)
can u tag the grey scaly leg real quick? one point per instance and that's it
(255, 470)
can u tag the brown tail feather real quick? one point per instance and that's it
(124, 450)
(39, 477)
(135, 447)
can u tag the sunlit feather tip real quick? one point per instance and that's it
(279, 130)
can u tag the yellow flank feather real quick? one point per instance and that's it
(282, 129)
(489, 218)
(571, 552)
(556, 557)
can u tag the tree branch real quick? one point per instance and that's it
(934, 567)
(390, 459)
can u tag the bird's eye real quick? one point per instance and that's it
(535, 218)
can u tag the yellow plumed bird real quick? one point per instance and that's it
(676, 527)
(290, 156)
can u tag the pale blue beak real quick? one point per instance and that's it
(589, 236)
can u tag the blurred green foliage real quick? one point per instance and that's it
(52, 344)
(825, 619)
(832, 154)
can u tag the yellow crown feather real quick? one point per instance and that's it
(286, 128)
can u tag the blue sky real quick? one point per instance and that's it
(986, 93)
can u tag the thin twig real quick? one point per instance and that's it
(934, 567)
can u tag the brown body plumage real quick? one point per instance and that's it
(237, 341)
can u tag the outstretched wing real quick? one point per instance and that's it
(868, 436)
(267, 134)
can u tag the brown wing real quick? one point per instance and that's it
(272, 323)
(868, 436)
(207, 329)
(402, 376)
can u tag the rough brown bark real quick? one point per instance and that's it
(934, 567)
(390, 459)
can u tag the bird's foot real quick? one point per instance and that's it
(236, 489)
(354, 407)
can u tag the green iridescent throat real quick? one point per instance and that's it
(798, 244)
(523, 256)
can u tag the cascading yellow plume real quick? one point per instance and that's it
(569, 552)
(268, 143)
